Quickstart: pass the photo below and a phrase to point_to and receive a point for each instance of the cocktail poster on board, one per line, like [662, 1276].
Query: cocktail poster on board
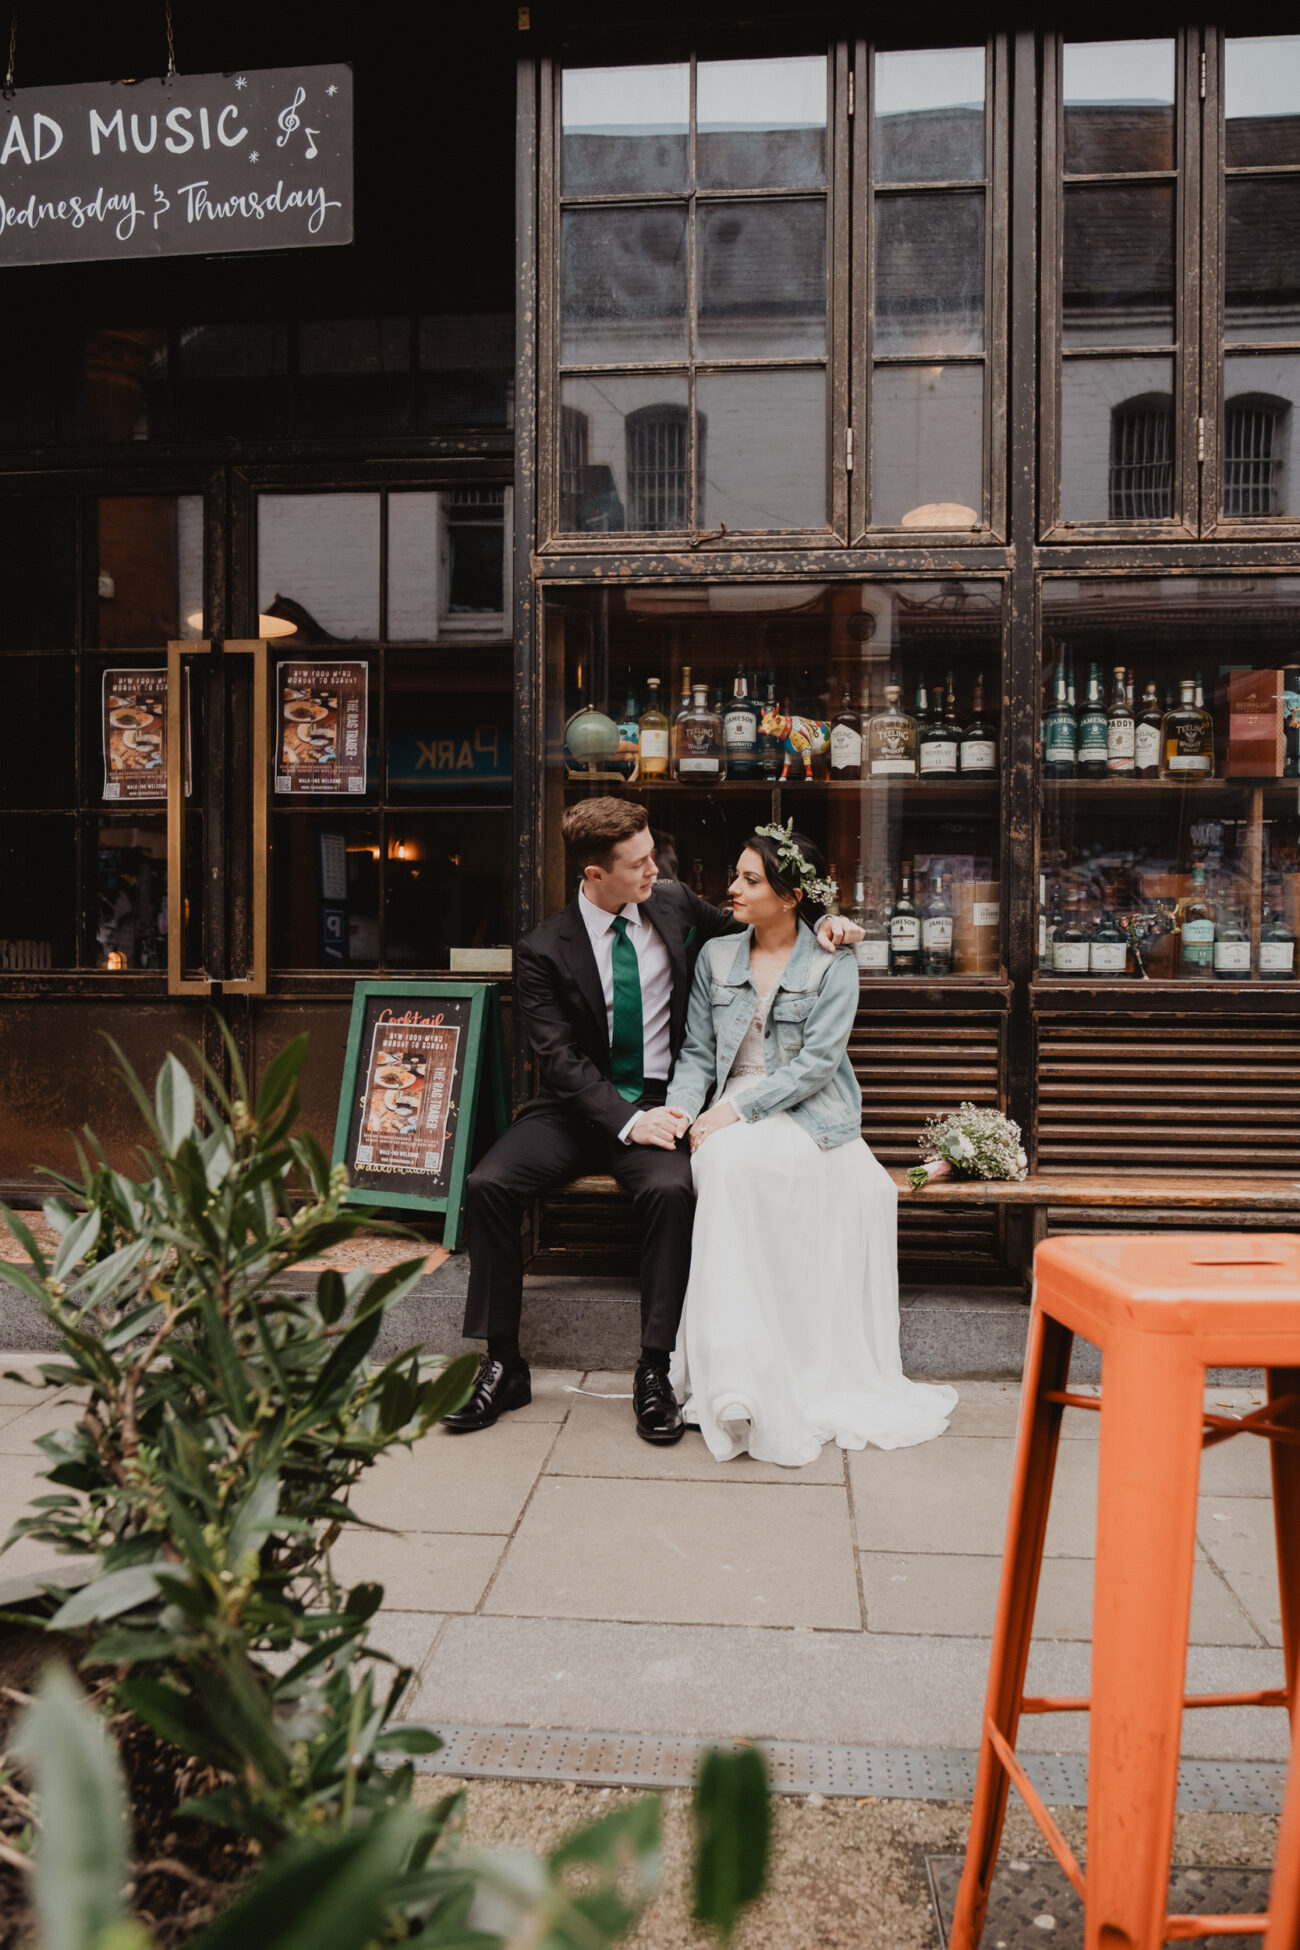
[134, 724]
[420, 1056]
[322, 727]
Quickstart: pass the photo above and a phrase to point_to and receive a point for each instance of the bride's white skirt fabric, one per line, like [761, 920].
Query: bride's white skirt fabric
[789, 1334]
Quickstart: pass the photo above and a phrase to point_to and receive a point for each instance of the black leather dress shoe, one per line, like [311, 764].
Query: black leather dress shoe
[496, 1388]
[658, 1418]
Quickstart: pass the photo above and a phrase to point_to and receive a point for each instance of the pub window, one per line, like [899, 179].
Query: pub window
[574, 431]
[659, 467]
[1254, 437]
[1142, 459]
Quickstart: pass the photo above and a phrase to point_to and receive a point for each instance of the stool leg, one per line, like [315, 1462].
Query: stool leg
[1286, 1516]
[1284, 1896]
[1148, 1471]
[1047, 1366]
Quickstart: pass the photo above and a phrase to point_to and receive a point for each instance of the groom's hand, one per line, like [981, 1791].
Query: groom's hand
[661, 1127]
[834, 931]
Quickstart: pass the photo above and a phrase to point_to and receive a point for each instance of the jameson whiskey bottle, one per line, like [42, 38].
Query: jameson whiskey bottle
[1187, 737]
[769, 745]
[1120, 729]
[652, 736]
[905, 928]
[1232, 949]
[699, 756]
[1059, 731]
[740, 732]
[938, 743]
[1196, 918]
[891, 740]
[1277, 961]
[979, 741]
[1146, 736]
[936, 931]
[846, 739]
[1107, 949]
[1093, 742]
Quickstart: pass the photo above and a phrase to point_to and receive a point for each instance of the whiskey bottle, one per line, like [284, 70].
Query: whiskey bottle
[1196, 918]
[1277, 959]
[1146, 736]
[950, 706]
[905, 928]
[769, 745]
[1232, 948]
[740, 732]
[1055, 920]
[1120, 729]
[1071, 948]
[1187, 737]
[1107, 949]
[979, 741]
[937, 742]
[1093, 741]
[652, 736]
[936, 930]
[846, 739]
[1059, 731]
[891, 740]
[629, 736]
[697, 879]
[699, 756]
[872, 952]
[684, 702]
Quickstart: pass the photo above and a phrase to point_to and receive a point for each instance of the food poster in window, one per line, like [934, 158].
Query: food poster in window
[409, 1096]
[134, 724]
[322, 746]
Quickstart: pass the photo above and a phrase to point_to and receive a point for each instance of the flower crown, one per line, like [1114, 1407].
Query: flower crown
[794, 867]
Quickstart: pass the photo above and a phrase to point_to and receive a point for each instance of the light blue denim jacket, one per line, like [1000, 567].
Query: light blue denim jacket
[805, 1045]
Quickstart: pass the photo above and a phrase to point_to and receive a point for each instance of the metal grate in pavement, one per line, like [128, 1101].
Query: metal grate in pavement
[1031, 1903]
[808, 1767]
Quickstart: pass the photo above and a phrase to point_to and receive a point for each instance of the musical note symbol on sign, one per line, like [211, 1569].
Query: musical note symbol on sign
[288, 119]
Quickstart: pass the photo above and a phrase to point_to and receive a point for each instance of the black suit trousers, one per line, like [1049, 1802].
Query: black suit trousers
[545, 1147]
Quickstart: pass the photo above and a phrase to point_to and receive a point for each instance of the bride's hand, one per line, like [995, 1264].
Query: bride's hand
[712, 1120]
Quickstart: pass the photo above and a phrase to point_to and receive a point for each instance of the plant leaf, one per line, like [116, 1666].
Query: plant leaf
[109, 1596]
[175, 1105]
[331, 1296]
[732, 1818]
[75, 1243]
[81, 1856]
[282, 1072]
[320, 1897]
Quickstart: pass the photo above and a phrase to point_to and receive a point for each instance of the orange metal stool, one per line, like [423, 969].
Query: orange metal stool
[1163, 1309]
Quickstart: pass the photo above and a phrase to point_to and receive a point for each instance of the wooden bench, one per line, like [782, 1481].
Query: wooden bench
[1228, 1199]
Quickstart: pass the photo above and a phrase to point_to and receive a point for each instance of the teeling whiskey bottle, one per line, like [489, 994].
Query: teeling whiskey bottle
[891, 740]
[1187, 737]
[699, 755]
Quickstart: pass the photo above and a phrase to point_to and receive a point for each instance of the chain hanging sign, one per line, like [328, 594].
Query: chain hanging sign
[192, 163]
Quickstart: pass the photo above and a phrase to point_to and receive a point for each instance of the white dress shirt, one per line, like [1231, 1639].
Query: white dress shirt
[656, 982]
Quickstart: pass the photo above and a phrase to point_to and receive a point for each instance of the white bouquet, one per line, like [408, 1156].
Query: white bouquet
[970, 1143]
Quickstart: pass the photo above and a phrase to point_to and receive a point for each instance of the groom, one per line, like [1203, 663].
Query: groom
[602, 988]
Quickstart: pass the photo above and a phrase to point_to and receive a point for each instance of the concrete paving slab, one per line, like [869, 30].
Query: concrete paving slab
[8, 1415]
[952, 1495]
[1238, 1534]
[1238, 1467]
[600, 1439]
[20, 1435]
[28, 1558]
[476, 1483]
[421, 1571]
[957, 1597]
[873, 1688]
[682, 1552]
[550, 1403]
[22, 1394]
[404, 1636]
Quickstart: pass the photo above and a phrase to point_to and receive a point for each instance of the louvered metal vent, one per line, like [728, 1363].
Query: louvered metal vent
[1159, 1095]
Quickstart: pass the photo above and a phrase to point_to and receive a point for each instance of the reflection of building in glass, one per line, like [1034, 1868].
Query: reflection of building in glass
[1253, 447]
[573, 464]
[659, 467]
[1142, 459]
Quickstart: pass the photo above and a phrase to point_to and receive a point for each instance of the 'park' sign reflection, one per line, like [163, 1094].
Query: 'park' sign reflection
[240, 162]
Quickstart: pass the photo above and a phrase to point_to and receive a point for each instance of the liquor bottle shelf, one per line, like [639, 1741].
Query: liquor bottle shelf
[946, 791]
[1120, 790]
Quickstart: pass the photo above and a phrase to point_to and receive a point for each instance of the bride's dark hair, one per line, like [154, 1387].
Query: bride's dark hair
[782, 881]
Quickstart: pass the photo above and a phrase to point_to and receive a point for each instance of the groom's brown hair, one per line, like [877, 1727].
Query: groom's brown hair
[594, 827]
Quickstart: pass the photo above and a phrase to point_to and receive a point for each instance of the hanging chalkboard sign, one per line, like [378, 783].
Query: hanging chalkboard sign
[259, 160]
[421, 1056]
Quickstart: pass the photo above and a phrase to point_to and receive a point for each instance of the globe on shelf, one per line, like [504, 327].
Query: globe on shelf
[591, 745]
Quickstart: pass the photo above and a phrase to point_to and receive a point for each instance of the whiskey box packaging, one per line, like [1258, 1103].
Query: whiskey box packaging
[976, 914]
[1256, 729]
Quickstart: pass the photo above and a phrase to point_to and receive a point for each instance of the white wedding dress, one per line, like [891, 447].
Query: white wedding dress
[789, 1334]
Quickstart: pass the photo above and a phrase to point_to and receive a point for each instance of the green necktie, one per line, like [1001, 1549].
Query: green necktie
[627, 1050]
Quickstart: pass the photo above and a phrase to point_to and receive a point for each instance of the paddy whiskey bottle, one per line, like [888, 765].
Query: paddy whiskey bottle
[1120, 729]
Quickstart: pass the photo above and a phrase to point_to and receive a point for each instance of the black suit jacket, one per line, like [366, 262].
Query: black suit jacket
[557, 990]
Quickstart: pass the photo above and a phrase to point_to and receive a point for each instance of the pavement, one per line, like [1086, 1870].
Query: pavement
[555, 1571]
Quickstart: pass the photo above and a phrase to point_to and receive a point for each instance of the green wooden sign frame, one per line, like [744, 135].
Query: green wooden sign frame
[482, 1079]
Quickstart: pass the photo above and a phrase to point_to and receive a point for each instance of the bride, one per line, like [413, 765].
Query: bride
[789, 1334]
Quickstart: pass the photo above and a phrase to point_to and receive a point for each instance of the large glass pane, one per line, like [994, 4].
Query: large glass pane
[1169, 832]
[1261, 100]
[38, 734]
[123, 383]
[927, 441]
[1261, 294]
[929, 274]
[1117, 286]
[131, 916]
[38, 873]
[447, 886]
[1261, 424]
[625, 128]
[446, 562]
[38, 572]
[139, 601]
[466, 376]
[233, 378]
[325, 873]
[930, 116]
[624, 285]
[920, 803]
[624, 453]
[762, 279]
[1119, 106]
[449, 726]
[1117, 440]
[318, 563]
[354, 376]
[762, 461]
[760, 124]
